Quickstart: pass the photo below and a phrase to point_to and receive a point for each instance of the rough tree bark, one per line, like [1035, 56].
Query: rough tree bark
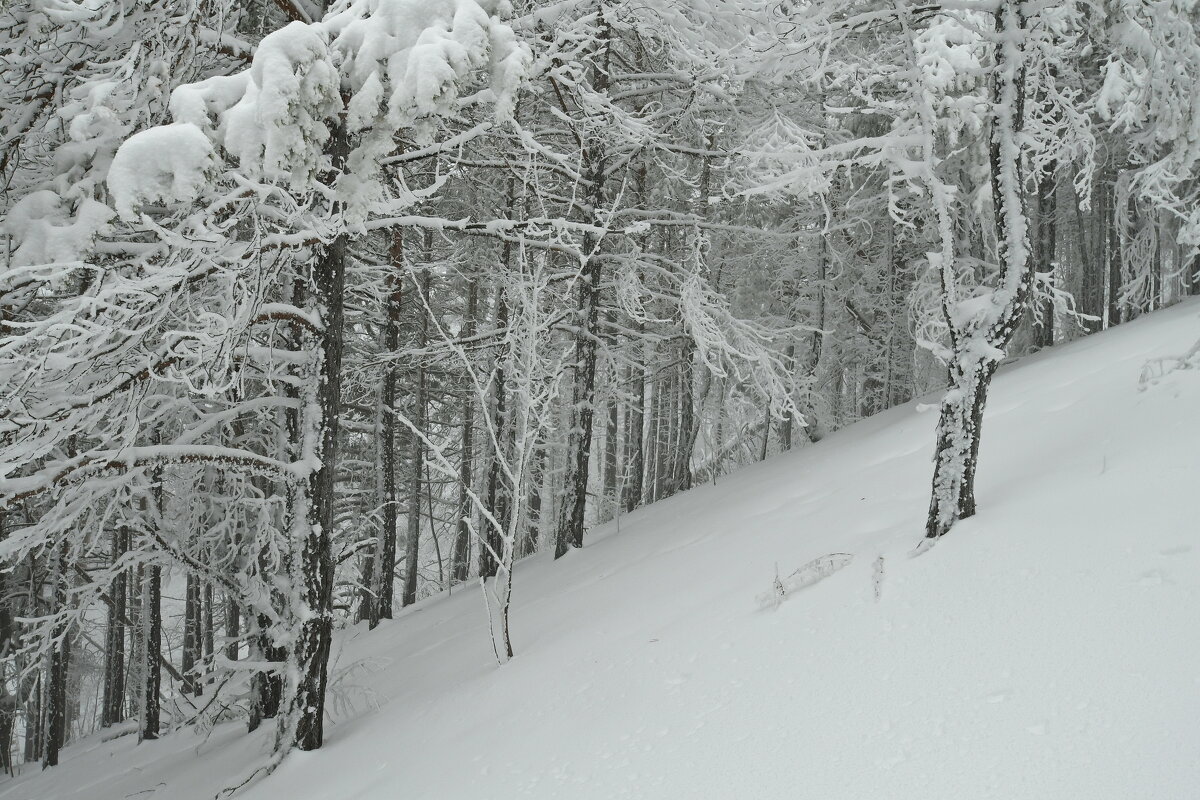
[413, 538]
[190, 655]
[57, 668]
[976, 352]
[584, 346]
[112, 708]
[497, 492]
[233, 628]
[311, 654]
[379, 598]
[460, 559]
[635, 445]
[1044, 259]
[150, 609]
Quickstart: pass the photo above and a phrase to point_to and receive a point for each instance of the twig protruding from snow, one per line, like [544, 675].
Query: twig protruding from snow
[812, 572]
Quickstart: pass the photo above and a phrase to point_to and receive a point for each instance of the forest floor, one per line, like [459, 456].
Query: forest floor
[1047, 648]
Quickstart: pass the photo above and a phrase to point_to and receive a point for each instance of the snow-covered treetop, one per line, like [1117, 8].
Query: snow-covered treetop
[379, 66]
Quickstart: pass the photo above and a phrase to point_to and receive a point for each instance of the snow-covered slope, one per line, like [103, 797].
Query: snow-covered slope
[1048, 648]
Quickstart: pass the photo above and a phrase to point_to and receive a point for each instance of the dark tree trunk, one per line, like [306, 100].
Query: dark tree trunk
[151, 649]
[56, 696]
[816, 346]
[668, 420]
[957, 455]
[957, 452]
[689, 427]
[569, 533]
[766, 428]
[497, 493]
[233, 628]
[190, 656]
[8, 715]
[1112, 248]
[611, 455]
[206, 629]
[1091, 290]
[380, 598]
[266, 688]
[634, 453]
[789, 422]
[1045, 256]
[533, 525]
[635, 445]
[653, 409]
[460, 558]
[10, 703]
[312, 648]
[113, 705]
[35, 718]
[413, 539]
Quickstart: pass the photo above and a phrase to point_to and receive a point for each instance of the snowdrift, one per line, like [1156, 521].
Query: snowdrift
[1048, 648]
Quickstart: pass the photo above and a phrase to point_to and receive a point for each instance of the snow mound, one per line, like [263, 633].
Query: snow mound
[1047, 648]
[169, 163]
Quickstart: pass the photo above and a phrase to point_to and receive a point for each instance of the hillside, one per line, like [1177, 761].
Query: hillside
[1048, 648]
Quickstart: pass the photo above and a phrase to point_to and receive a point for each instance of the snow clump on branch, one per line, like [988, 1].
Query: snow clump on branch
[163, 164]
[376, 66]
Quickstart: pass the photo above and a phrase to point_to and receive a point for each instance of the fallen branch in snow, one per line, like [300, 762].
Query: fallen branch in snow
[117, 731]
[1155, 369]
[807, 575]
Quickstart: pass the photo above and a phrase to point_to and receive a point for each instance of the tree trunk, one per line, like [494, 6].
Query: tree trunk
[460, 559]
[533, 524]
[583, 363]
[206, 630]
[233, 628]
[191, 634]
[666, 409]
[611, 456]
[957, 454]
[654, 409]
[689, 425]
[58, 667]
[789, 422]
[11, 703]
[413, 539]
[266, 688]
[1045, 257]
[497, 503]
[113, 706]
[383, 579]
[635, 445]
[1113, 312]
[35, 718]
[150, 608]
[766, 426]
[311, 654]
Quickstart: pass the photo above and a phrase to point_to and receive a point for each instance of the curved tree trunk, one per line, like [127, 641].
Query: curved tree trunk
[977, 350]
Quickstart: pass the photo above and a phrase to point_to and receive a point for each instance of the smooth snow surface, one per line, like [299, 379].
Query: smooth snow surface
[1048, 648]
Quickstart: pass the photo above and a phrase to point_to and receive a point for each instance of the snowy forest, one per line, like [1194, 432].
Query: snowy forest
[311, 310]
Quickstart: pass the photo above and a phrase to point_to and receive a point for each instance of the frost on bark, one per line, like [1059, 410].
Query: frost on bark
[413, 536]
[57, 669]
[460, 559]
[586, 339]
[113, 703]
[497, 488]
[978, 342]
[381, 566]
[316, 561]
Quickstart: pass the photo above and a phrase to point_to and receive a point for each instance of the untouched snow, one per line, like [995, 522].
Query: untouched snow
[1048, 648]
